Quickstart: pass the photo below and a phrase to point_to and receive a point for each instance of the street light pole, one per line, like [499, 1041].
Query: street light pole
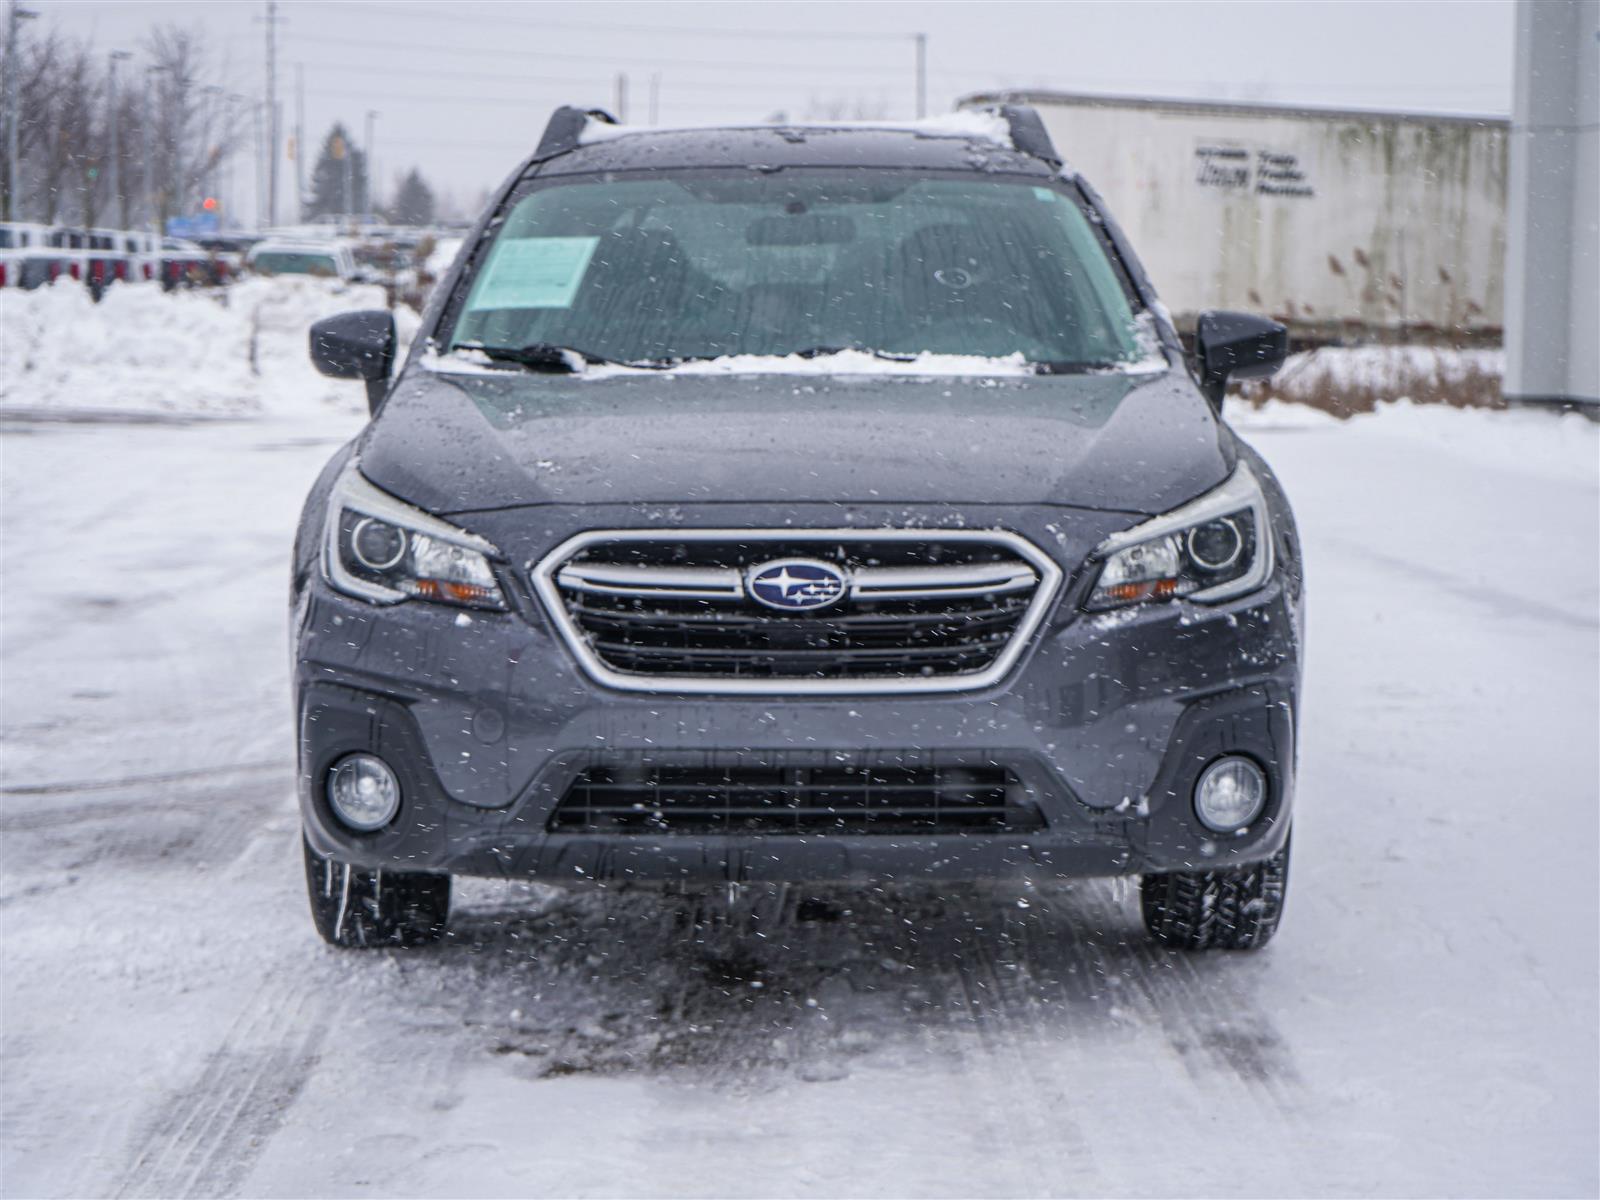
[348, 154]
[148, 173]
[922, 75]
[299, 143]
[17, 15]
[272, 113]
[117, 198]
[369, 165]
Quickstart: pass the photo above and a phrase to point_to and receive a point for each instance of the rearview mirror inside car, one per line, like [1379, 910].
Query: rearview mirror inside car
[1233, 345]
[356, 345]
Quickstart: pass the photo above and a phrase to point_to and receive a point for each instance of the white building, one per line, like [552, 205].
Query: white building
[1339, 222]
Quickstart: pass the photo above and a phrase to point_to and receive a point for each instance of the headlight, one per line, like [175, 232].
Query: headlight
[384, 550]
[1211, 549]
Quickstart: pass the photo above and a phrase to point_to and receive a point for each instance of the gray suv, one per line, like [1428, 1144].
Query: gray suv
[827, 504]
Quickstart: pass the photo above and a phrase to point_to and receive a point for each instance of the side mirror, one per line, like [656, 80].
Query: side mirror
[1232, 345]
[356, 345]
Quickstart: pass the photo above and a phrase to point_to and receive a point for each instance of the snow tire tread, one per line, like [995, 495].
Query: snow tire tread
[1234, 909]
[367, 909]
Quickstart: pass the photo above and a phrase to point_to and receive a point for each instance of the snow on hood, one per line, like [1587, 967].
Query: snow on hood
[467, 361]
[926, 365]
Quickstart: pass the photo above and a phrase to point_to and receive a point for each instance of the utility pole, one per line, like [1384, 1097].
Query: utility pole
[655, 97]
[117, 197]
[17, 15]
[272, 112]
[257, 139]
[300, 142]
[230, 206]
[622, 97]
[147, 173]
[349, 175]
[922, 75]
[370, 167]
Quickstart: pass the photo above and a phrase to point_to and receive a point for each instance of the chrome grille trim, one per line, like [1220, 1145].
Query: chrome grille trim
[1035, 569]
[866, 583]
[677, 583]
[933, 583]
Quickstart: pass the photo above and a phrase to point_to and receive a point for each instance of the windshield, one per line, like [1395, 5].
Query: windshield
[285, 262]
[708, 264]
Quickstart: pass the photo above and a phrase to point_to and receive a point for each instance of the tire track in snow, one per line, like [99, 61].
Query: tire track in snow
[1010, 1026]
[208, 1135]
[1228, 1046]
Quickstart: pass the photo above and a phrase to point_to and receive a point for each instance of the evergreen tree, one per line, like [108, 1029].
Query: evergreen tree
[413, 201]
[339, 178]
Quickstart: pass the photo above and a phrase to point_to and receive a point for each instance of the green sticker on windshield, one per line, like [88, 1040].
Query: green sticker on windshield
[1044, 194]
[539, 272]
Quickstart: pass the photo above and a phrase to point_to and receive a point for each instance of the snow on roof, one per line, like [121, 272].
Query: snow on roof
[297, 246]
[1255, 108]
[964, 123]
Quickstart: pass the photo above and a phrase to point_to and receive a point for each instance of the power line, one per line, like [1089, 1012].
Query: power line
[477, 52]
[427, 96]
[671, 64]
[599, 85]
[699, 31]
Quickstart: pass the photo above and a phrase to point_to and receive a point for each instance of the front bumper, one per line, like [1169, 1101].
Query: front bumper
[1105, 721]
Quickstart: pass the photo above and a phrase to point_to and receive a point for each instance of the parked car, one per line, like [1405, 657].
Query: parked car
[324, 259]
[850, 520]
[186, 263]
[32, 255]
[19, 242]
[228, 251]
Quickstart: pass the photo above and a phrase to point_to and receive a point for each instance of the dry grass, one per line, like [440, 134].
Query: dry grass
[1349, 380]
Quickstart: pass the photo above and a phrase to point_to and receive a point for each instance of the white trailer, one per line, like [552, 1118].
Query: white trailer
[1341, 223]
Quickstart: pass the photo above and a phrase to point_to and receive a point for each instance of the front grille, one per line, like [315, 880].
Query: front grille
[857, 800]
[937, 610]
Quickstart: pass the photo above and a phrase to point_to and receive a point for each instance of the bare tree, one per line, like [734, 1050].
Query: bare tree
[194, 125]
[176, 125]
[38, 84]
[67, 156]
[81, 133]
[132, 177]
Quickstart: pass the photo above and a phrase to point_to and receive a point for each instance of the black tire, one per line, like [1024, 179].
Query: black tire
[1237, 909]
[355, 907]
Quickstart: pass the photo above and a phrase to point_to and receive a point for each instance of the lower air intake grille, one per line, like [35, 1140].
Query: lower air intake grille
[857, 800]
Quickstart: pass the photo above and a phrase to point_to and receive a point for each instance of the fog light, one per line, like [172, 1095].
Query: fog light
[363, 792]
[1230, 794]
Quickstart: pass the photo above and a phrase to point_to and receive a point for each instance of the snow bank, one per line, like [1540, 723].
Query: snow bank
[1349, 379]
[239, 350]
[1388, 366]
[443, 256]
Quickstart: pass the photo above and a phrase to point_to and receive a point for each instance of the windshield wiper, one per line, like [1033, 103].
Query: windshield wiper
[546, 356]
[1085, 367]
[825, 351]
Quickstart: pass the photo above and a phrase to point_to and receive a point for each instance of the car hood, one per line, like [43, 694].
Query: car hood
[471, 442]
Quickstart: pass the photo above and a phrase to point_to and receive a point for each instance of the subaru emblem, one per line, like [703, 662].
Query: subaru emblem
[795, 583]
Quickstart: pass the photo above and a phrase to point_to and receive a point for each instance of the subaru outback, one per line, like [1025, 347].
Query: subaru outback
[827, 504]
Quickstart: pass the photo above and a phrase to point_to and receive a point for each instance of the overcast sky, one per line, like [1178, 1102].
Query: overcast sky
[463, 88]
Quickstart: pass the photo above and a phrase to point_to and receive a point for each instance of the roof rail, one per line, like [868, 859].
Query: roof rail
[565, 128]
[1028, 133]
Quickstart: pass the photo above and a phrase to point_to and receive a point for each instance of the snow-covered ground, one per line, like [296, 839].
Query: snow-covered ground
[1424, 1024]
